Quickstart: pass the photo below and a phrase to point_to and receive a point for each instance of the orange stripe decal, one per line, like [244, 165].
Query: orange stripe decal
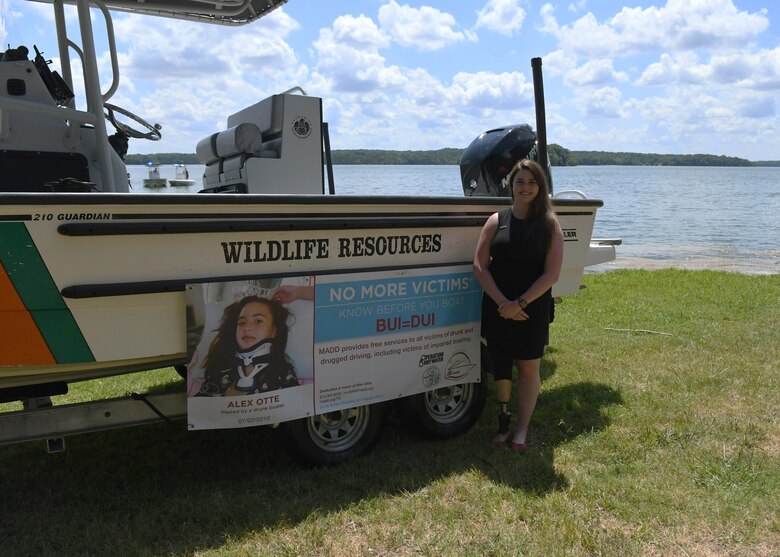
[21, 343]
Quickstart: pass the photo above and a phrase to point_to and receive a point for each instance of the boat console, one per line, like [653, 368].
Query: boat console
[45, 143]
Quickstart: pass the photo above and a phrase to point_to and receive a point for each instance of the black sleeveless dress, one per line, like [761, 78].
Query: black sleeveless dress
[515, 264]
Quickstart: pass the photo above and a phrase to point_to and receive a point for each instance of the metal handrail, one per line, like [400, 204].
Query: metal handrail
[94, 96]
[578, 193]
[111, 49]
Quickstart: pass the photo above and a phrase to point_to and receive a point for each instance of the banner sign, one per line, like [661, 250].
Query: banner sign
[271, 350]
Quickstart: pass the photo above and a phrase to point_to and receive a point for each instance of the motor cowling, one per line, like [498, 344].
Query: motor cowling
[486, 162]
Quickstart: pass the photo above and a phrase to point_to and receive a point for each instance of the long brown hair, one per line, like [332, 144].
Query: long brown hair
[224, 346]
[540, 215]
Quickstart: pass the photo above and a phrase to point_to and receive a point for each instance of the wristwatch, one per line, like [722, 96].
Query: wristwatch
[522, 302]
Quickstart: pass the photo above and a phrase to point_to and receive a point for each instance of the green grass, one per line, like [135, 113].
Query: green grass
[642, 444]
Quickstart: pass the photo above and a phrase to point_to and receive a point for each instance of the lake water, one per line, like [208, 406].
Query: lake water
[722, 218]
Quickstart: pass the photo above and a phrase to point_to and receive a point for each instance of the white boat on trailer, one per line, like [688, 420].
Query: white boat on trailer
[92, 277]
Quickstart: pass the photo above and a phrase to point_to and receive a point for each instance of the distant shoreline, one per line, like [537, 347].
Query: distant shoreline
[743, 266]
[559, 156]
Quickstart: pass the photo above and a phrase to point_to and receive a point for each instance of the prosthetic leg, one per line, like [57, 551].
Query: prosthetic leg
[503, 393]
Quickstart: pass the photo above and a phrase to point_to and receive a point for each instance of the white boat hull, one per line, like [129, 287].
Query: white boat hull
[94, 284]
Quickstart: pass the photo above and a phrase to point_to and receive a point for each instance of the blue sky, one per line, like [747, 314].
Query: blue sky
[682, 76]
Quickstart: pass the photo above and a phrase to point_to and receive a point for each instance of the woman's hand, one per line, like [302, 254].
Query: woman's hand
[288, 293]
[512, 310]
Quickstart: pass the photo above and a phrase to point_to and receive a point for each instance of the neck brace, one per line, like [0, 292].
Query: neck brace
[258, 356]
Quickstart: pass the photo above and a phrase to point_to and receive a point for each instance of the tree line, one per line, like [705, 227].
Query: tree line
[564, 157]
[559, 156]
[341, 156]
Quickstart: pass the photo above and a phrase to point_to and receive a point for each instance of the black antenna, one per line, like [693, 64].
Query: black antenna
[541, 121]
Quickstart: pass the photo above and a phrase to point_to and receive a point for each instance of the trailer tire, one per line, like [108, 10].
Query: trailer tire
[448, 411]
[335, 437]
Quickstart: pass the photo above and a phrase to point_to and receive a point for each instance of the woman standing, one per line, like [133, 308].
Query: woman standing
[518, 259]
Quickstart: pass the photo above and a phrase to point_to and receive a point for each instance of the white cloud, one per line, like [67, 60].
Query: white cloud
[679, 25]
[766, 74]
[195, 82]
[759, 70]
[423, 28]
[409, 105]
[3, 15]
[673, 69]
[594, 72]
[359, 32]
[685, 119]
[205, 50]
[348, 58]
[585, 38]
[483, 90]
[756, 107]
[708, 77]
[43, 12]
[502, 16]
[604, 102]
[689, 115]
[558, 63]
[731, 68]
[453, 113]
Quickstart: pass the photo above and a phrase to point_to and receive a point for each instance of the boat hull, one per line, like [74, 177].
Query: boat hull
[94, 284]
[155, 183]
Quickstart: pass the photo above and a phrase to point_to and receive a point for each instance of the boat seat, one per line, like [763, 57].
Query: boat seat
[212, 173]
[271, 149]
[231, 168]
[226, 152]
[242, 139]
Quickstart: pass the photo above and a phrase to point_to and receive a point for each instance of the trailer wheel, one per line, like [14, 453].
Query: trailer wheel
[448, 411]
[334, 437]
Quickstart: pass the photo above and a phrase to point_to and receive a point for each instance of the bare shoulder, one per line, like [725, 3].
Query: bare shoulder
[556, 224]
[489, 228]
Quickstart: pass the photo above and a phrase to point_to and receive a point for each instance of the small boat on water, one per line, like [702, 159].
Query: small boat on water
[182, 177]
[154, 180]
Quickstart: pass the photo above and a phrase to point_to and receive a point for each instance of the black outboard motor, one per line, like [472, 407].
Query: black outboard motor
[485, 163]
